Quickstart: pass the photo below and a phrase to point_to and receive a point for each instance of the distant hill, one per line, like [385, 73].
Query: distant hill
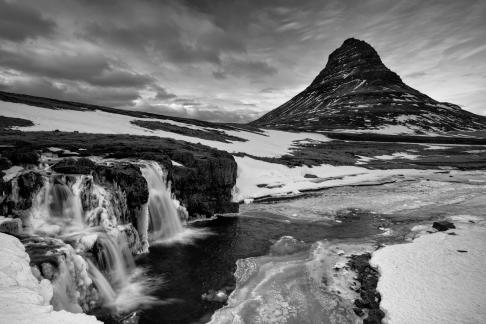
[357, 92]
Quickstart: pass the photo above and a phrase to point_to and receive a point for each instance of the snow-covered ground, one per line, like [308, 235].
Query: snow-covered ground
[271, 143]
[438, 278]
[259, 178]
[23, 299]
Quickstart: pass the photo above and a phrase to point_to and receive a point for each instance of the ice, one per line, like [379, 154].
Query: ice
[22, 298]
[431, 281]
[298, 287]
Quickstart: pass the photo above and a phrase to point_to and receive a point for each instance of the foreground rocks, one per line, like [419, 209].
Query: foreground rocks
[369, 301]
[443, 226]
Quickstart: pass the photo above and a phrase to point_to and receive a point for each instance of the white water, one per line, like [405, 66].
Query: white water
[58, 210]
[165, 222]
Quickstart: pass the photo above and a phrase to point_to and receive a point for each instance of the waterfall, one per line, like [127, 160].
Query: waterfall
[164, 217]
[164, 213]
[58, 210]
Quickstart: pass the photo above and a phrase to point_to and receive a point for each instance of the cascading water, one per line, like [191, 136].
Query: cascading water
[58, 210]
[164, 217]
[163, 212]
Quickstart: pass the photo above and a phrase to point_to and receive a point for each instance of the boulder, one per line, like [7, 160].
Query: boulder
[10, 225]
[443, 225]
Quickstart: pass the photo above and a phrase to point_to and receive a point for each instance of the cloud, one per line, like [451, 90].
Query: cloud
[19, 22]
[417, 74]
[92, 68]
[72, 91]
[244, 68]
[202, 58]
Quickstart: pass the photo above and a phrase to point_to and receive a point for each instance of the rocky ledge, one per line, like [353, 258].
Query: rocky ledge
[202, 177]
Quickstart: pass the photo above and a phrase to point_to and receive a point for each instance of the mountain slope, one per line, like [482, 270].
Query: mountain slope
[356, 91]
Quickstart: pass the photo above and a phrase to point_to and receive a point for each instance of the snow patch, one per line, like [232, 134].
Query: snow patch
[23, 299]
[438, 278]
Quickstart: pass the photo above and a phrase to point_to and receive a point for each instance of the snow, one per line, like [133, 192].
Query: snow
[22, 298]
[11, 172]
[282, 180]
[270, 143]
[397, 155]
[431, 281]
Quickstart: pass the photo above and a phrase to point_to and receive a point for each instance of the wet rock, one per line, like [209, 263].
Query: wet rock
[443, 225]
[74, 166]
[5, 163]
[219, 296]
[28, 185]
[48, 270]
[10, 225]
[367, 277]
[287, 245]
[205, 184]
[130, 180]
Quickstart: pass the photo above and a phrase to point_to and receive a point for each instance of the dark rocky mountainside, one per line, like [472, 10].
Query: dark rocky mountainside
[357, 91]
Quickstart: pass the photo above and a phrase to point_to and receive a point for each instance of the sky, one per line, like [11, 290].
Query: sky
[228, 60]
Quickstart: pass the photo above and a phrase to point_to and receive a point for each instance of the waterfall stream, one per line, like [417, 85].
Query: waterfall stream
[164, 212]
[58, 211]
[164, 217]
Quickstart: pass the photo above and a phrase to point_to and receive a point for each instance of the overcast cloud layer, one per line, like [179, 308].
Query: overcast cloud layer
[225, 60]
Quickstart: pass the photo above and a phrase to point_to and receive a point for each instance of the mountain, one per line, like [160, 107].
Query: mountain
[356, 91]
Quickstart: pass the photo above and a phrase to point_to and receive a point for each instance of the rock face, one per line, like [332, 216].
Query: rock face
[204, 185]
[357, 91]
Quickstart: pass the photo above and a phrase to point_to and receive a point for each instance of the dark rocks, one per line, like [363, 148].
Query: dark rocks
[74, 166]
[5, 163]
[443, 226]
[28, 185]
[22, 156]
[10, 225]
[204, 185]
[370, 299]
[130, 180]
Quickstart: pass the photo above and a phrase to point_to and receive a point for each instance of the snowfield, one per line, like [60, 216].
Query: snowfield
[271, 143]
[259, 178]
[22, 298]
[438, 278]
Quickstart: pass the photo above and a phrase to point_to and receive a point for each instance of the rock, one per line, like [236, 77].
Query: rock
[48, 270]
[219, 296]
[130, 180]
[310, 176]
[367, 277]
[5, 163]
[443, 225]
[205, 185]
[74, 166]
[10, 225]
[287, 245]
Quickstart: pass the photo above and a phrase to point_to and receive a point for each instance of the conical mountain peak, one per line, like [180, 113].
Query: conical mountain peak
[356, 91]
[355, 59]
